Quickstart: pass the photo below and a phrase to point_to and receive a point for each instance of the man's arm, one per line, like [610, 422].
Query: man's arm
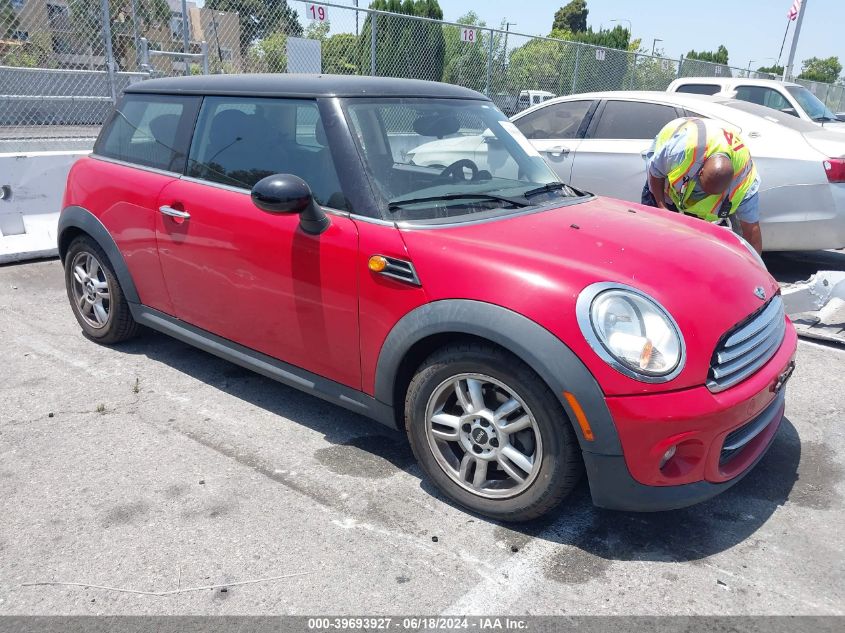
[656, 186]
[751, 232]
[748, 214]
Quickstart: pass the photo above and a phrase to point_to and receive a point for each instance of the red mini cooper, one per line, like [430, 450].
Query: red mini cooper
[519, 330]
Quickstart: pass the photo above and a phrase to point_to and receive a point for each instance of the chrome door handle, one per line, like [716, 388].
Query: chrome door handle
[558, 151]
[174, 213]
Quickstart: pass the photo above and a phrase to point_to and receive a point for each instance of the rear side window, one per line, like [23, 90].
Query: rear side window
[699, 89]
[239, 141]
[558, 121]
[149, 130]
[632, 120]
[762, 96]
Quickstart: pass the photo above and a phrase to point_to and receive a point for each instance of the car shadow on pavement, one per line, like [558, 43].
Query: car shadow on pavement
[367, 449]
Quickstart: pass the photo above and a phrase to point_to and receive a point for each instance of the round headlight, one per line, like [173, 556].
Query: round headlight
[631, 332]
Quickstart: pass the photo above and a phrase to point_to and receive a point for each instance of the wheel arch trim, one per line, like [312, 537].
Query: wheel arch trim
[81, 219]
[541, 350]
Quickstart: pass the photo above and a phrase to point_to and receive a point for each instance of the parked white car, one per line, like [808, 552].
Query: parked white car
[789, 98]
[598, 142]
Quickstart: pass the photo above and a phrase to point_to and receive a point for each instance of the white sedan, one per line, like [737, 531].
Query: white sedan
[598, 142]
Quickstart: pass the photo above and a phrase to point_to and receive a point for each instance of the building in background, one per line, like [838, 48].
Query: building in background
[69, 34]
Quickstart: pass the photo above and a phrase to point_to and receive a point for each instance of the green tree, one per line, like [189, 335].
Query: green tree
[466, 62]
[340, 54]
[269, 54]
[719, 56]
[772, 70]
[259, 19]
[404, 48]
[8, 20]
[571, 18]
[715, 63]
[817, 69]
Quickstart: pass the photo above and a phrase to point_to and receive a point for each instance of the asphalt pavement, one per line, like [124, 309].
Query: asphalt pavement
[154, 468]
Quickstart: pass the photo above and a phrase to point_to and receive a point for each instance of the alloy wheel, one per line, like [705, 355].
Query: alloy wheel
[483, 435]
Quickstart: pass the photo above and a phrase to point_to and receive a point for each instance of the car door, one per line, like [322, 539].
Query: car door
[253, 277]
[611, 159]
[141, 150]
[555, 130]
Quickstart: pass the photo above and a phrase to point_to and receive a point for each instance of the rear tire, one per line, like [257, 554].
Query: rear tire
[95, 295]
[490, 434]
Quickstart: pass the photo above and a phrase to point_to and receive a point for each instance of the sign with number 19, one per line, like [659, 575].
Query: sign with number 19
[316, 12]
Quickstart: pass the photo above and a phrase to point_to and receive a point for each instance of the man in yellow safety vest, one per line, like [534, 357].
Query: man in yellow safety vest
[699, 168]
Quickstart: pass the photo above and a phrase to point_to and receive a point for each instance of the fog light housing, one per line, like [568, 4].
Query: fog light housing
[669, 454]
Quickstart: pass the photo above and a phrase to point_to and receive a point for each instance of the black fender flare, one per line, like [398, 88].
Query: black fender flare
[541, 350]
[74, 217]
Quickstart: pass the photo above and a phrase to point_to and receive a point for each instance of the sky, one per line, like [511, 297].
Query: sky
[749, 29]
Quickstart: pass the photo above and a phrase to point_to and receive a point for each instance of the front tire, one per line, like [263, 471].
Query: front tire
[95, 295]
[490, 434]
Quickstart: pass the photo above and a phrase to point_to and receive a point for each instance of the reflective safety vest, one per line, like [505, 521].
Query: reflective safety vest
[704, 139]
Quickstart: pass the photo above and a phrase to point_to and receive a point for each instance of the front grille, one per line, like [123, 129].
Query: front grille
[747, 347]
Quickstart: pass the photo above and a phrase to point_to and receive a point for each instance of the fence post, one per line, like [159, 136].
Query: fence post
[135, 37]
[680, 65]
[204, 51]
[373, 24]
[185, 37]
[575, 70]
[145, 55]
[104, 5]
[634, 73]
[489, 65]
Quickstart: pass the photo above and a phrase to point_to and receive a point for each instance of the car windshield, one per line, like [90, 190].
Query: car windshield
[441, 159]
[814, 108]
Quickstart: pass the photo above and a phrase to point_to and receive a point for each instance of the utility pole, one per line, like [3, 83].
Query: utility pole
[508, 26]
[653, 44]
[787, 70]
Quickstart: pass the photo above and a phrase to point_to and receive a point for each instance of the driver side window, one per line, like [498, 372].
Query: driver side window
[239, 141]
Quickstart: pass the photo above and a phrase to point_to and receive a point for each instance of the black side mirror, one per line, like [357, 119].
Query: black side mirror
[286, 193]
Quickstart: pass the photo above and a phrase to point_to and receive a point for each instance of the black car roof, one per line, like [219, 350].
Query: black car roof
[296, 85]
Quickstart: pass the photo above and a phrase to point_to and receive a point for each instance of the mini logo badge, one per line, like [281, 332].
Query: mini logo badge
[760, 292]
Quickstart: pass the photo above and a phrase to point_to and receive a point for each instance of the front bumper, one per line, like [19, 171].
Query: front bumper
[612, 486]
[718, 438]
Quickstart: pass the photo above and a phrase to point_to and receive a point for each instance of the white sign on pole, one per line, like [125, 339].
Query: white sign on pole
[718, 70]
[304, 55]
[600, 54]
[664, 64]
[317, 12]
[469, 35]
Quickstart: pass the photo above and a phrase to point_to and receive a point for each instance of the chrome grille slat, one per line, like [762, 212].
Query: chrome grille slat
[743, 348]
[725, 369]
[774, 309]
[747, 347]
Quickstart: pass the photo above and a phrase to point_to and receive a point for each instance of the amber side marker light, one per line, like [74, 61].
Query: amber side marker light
[579, 416]
[377, 263]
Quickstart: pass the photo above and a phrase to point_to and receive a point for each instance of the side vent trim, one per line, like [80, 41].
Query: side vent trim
[401, 270]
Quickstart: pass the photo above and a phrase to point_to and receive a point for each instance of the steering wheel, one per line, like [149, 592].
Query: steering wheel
[455, 171]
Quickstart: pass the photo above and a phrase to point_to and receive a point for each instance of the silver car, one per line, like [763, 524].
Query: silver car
[599, 141]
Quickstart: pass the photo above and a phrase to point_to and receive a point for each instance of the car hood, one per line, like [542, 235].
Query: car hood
[537, 264]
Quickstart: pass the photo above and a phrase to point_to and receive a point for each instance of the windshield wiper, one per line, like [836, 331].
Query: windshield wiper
[395, 205]
[825, 118]
[552, 186]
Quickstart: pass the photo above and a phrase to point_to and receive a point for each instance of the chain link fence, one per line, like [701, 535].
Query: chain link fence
[62, 62]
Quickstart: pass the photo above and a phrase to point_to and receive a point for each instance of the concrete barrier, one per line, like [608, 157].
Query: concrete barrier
[31, 188]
